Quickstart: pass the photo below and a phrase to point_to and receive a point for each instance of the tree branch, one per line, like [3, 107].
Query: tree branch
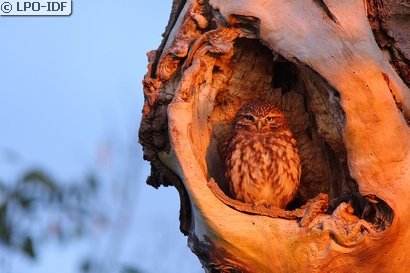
[306, 213]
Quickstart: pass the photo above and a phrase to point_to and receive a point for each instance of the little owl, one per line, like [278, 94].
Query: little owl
[262, 164]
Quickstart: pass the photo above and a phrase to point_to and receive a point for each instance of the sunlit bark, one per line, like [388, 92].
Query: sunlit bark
[341, 82]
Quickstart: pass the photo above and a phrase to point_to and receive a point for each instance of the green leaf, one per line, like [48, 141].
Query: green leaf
[129, 269]
[28, 248]
[41, 178]
[25, 202]
[92, 182]
[86, 266]
[5, 228]
[3, 187]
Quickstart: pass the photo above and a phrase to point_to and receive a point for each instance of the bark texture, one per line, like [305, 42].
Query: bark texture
[340, 72]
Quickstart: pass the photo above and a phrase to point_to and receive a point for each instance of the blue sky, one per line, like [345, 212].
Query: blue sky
[70, 86]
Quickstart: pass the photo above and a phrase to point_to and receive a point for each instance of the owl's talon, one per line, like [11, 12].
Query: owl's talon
[261, 202]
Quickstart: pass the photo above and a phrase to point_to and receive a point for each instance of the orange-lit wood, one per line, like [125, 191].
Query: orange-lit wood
[346, 105]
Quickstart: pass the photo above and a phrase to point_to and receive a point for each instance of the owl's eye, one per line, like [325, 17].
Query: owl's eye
[269, 119]
[249, 117]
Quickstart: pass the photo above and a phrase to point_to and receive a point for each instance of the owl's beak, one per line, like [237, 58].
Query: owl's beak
[259, 125]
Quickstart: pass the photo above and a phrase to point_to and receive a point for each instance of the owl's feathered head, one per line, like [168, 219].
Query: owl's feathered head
[259, 116]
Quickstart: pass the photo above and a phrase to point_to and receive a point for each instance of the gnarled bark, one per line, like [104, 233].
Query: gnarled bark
[328, 69]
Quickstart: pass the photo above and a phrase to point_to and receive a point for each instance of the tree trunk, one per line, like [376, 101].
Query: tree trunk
[340, 72]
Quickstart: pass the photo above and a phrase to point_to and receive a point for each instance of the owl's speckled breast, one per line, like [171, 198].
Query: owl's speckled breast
[262, 165]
